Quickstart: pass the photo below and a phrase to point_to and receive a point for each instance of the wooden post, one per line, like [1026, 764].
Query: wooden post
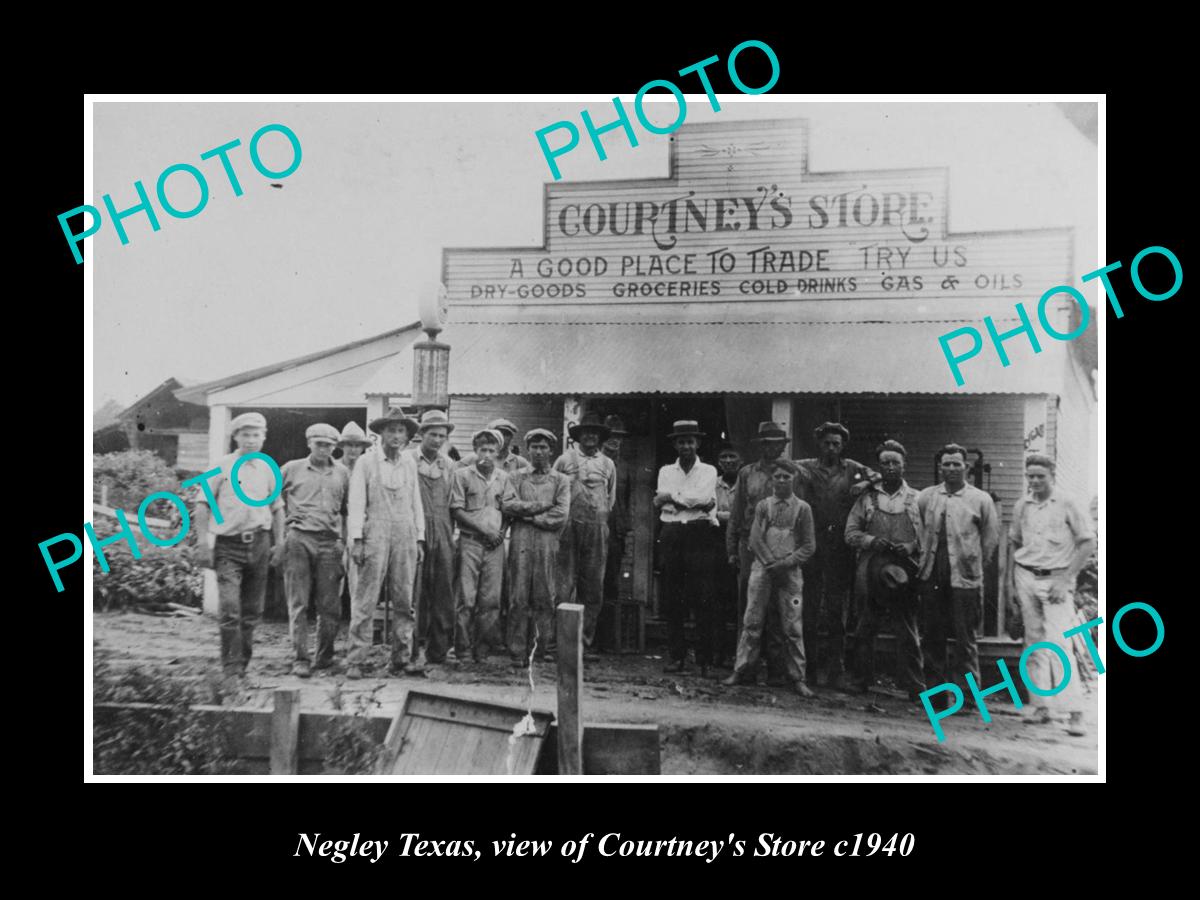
[285, 733]
[570, 687]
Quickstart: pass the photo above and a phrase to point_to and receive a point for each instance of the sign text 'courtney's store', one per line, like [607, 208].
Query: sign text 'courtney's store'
[741, 218]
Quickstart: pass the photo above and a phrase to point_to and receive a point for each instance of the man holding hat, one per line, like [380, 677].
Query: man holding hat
[314, 495]
[884, 526]
[583, 547]
[353, 443]
[539, 504]
[244, 534]
[477, 493]
[619, 521]
[387, 530]
[687, 499]
[832, 483]
[435, 605]
[752, 487]
[781, 539]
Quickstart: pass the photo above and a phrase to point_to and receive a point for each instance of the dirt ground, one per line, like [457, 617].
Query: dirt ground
[705, 728]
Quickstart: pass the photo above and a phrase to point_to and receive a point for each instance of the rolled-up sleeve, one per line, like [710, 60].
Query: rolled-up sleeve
[856, 525]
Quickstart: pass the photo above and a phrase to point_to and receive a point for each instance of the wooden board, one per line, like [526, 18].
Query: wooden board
[440, 735]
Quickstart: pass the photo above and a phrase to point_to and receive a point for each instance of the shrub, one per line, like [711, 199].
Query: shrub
[169, 738]
[132, 475]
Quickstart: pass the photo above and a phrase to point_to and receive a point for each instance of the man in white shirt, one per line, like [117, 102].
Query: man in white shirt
[687, 500]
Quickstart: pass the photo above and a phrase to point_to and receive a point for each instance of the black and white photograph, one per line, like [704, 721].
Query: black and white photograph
[685, 435]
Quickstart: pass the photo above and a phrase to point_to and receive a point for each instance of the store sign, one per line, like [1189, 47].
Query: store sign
[742, 219]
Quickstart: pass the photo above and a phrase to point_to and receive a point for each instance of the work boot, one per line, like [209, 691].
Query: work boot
[735, 679]
[1075, 725]
[414, 668]
[354, 673]
[804, 690]
[302, 669]
[323, 664]
[1042, 716]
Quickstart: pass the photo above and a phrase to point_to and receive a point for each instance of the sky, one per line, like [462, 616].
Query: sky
[342, 248]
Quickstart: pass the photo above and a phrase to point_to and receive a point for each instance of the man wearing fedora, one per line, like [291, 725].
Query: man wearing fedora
[686, 498]
[831, 484]
[353, 442]
[884, 526]
[387, 530]
[781, 539]
[241, 553]
[619, 522]
[583, 547]
[538, 506]
[753, 486]
[435, 603]
[315, 489]
[477, 493]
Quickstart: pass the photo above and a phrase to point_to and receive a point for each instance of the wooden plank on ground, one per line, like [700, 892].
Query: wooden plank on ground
[285, 733]
[570, 689]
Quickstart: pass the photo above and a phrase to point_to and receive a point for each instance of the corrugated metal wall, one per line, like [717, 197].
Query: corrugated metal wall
[469, 414]
[923, 423]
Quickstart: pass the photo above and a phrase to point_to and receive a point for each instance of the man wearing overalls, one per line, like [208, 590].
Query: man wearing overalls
[781, 540]
[387, 527]
[435, 606]
[884, 526]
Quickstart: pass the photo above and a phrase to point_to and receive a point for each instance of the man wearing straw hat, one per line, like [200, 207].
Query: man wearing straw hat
[686, 497]
[435, 605]
[387, 528]
[583, 547]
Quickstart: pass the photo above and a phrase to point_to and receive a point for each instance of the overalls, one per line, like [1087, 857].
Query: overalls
[435, 606]
[784, 591]
[390, 558]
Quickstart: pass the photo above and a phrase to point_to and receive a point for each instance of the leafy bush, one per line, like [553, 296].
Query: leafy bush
[350, 748]
[169, 738]
[163, 574]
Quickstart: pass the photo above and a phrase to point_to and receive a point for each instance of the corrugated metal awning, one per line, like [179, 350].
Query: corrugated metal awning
[784, 358]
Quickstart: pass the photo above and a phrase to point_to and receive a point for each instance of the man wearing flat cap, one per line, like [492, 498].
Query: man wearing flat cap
[243, 534]
[754, 485]
[387, 530]
[884, 526]
[686, 497]
[830, 484]
[583, 547]
[477, 495]
[538, 506]
[507, 459]
[315, 490]
[435, 607]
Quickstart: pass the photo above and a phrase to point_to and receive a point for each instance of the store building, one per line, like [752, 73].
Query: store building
[739, 288]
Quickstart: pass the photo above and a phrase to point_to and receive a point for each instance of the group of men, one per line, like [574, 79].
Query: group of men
[450, 543]
[460, 546]
[805, 538]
